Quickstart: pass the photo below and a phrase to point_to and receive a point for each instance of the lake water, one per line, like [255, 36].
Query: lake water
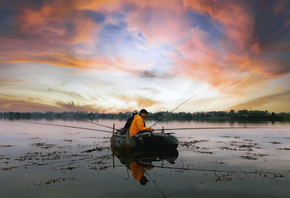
[248, 160]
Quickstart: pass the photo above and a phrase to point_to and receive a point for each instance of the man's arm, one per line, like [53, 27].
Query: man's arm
[140, 124]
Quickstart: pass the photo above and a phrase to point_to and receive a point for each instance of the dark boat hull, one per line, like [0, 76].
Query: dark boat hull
[157, 140]
[146, 156]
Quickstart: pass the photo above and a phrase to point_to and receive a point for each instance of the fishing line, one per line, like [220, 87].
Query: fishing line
[68, 126]
[214, 170]
[89, 122]
[156, 184]
[97, 124]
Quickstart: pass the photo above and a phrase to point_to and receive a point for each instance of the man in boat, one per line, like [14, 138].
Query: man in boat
[138, 127]
[129, 122]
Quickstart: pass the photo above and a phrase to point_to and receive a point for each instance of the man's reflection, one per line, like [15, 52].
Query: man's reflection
[138, 170]
[140, 161]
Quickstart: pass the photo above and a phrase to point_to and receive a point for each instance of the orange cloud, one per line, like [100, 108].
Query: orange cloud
[58, 58]
[19, 105]
[71, 106]
[237, 20]
[278, 102]
[50, 35]
[142, 102]
[159, 23]
[57, 22]
[230, 67]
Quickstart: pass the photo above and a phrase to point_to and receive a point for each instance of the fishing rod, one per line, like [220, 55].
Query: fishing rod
[97, 124]
[78, 119]
[68, 126]
[175, 108]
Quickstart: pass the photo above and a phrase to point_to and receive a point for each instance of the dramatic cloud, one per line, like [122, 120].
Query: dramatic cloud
[238, 22]
[264, 102]
[101, 55]
[71, 106]
[71, 94]
[12, 104]
[142, 102]
[234, 60]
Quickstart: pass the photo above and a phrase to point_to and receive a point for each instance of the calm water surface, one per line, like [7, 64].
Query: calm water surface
[50, 161]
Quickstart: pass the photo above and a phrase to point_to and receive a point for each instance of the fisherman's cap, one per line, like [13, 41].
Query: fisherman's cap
[143, 180]
[144, 111]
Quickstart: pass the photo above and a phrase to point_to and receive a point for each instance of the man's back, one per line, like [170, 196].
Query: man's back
[137, 125]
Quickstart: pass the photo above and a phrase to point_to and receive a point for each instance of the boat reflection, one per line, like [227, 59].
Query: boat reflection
[138, 162]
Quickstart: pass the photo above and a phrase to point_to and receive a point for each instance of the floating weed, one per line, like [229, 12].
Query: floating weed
[279, 175]
[7, 146]
[190, 143]
[9, 168]
[269, 175]
[40, 156]
[248, 140]
[205, 152]
[233, 143]
[91, 137]
[42, 145]
[67, 140]
[225, 136]
[69, 168]
[4, 157]
[98, 162]
[248, 157]
[284, 149]
[55, 181]
[220, 142]
[228, 148]
[95, 149]
[39, 164]
[261, 154]
[65, 147]
[248, 146]
[275, 142]
[217, 162]
[223, 177]
[98, 168]
[35, 138]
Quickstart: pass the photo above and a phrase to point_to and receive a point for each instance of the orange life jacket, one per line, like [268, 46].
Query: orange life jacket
[137, 125]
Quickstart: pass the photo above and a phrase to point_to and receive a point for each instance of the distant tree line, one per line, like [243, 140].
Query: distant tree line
[164, 115]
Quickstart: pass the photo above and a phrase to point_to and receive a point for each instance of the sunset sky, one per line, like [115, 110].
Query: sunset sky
[120, 55]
